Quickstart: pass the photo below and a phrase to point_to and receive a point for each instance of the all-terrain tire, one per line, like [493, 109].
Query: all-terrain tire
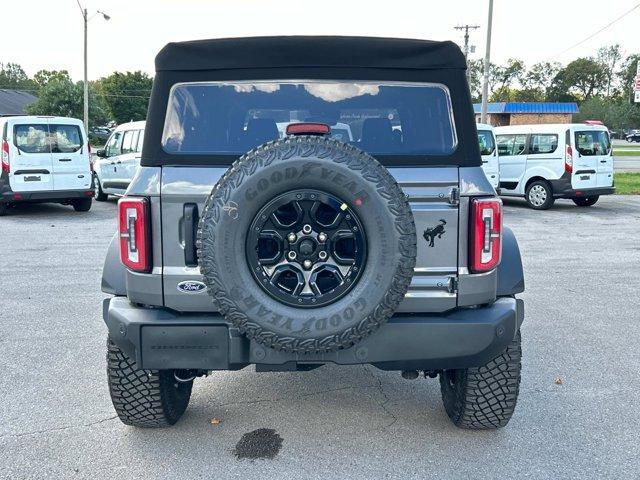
[586, 201]
[484, 398]
[282, 166]
[82, 204]
[144, 398]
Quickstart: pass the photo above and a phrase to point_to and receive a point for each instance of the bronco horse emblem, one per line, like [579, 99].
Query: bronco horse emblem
[430, 234]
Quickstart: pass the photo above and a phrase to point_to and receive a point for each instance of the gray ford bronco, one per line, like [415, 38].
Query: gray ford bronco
[312, 200]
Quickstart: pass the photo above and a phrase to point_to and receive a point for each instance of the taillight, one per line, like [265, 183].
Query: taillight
[568, 159]
[6, 166]
[134, 231]
[485, 247]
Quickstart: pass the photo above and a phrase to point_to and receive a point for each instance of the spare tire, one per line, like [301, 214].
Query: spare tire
[307, 244]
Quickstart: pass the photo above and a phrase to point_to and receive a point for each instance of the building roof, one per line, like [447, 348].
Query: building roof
[310, 51]
[14, 102]
[528, 107]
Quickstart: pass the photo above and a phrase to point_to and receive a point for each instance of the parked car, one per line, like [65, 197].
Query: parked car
[44, 159]
[489, 152]
[118, 161]
[633, 137]
[100, 134]
[545, 162]
[236, 247]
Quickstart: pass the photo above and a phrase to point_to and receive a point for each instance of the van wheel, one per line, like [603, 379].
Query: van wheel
[144, 398]
[484, 398]
[586, 201]
[539, 195]
[82, 204]
[98, 194]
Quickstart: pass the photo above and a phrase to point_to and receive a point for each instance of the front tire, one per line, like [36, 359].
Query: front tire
[484, 398]
[82, 204]
[586, 201]
[144, 398]
[539, 195]
[98, 194]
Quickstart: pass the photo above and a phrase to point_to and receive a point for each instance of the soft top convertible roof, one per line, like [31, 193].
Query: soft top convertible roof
[309, 51]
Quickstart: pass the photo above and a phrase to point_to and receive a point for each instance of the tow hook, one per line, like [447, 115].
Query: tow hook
[186, 376]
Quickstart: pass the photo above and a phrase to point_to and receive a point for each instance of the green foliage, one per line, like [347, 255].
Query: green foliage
[43, 77]
[13, 77]
[581, 79]
[126, 95]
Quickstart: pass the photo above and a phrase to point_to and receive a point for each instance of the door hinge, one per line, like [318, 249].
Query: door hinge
[453, 284]
[454, 196]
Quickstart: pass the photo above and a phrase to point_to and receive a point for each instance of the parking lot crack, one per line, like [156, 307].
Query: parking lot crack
[384, 404]
[59, 429]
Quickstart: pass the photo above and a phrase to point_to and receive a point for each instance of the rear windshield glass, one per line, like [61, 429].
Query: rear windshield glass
[485, 139]
[32, 138]
[65, 138]
[380, 118]
[593, 142]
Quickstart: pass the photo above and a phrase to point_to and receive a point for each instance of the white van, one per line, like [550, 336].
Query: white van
[489, 152]
[545, 162]
[45, 159]
[118, 162]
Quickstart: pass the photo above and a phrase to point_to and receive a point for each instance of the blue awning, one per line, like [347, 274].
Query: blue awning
[528, 107]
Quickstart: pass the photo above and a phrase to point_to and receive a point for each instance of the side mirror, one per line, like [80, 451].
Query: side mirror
[102, 153]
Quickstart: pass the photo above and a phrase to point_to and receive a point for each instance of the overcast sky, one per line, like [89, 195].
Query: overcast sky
[47, 34]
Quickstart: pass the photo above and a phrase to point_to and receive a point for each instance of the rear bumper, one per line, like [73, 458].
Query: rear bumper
[562, 189]
[44, 196]
[163, 339]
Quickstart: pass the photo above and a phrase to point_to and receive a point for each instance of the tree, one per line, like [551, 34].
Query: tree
[609, 58]
[507, 75]
[43, 77]
[579, 80]
[627, 75]
[12, 76]
[126, 95]
[539, 78]
[60, 96]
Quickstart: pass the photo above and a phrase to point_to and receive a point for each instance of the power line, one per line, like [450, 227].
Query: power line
[601, 30]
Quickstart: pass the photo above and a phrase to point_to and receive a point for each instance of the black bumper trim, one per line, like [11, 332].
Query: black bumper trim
[163, 339]
[45, 196]
[562, 188]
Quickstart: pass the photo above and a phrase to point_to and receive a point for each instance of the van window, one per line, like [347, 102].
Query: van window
[485, 139]
[113, 147]
[543, 143]
[229, 118]
[593, 142]
[65, 138]
[128, 144]
[32, 138]
[511, 144]
[140, 141]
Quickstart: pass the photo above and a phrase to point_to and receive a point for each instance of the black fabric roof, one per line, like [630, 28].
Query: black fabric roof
[309, 51]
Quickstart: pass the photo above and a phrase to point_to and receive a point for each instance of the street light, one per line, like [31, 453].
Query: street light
[86, 19]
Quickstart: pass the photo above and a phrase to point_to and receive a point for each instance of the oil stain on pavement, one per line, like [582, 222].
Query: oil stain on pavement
[260, 443]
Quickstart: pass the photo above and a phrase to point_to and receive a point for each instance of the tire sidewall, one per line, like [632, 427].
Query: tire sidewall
[224, 263]
[548, 202]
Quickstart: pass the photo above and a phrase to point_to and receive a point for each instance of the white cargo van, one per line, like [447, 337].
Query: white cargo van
[489, 152]
[118, 162]
[545, 162]
[45, 159]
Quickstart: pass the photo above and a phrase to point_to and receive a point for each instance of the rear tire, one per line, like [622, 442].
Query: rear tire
[586, 201]
[484, 398]
[144, 398]
[98, 194]
[539, 195]
[82, 204]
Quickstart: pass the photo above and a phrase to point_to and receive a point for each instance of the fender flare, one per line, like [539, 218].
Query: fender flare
[114, 273]
[510, 271]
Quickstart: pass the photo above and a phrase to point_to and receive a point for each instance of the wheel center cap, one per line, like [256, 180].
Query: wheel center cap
[307, 247]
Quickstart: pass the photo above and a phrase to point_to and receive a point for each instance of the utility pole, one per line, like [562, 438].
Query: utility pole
[487, 61]
[466, 29]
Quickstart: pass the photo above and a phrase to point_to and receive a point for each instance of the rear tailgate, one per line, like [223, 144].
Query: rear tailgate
[433, 195]
[29, 156]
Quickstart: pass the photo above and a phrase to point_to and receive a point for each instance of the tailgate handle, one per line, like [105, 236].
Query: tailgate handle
[190, 229]
[64, 159]
[603, 161]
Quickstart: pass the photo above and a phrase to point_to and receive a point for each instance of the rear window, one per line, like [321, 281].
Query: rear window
[485, 140]
[43, 138]
[593, 142]
[380, 118]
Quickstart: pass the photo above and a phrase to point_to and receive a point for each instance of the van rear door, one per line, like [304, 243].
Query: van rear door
[69, 155]
[590, 147]
[29, 156]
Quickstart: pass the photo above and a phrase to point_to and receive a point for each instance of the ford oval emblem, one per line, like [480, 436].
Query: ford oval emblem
[191, 286]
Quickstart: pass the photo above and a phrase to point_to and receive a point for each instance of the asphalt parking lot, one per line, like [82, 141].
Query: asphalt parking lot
[577, 415]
